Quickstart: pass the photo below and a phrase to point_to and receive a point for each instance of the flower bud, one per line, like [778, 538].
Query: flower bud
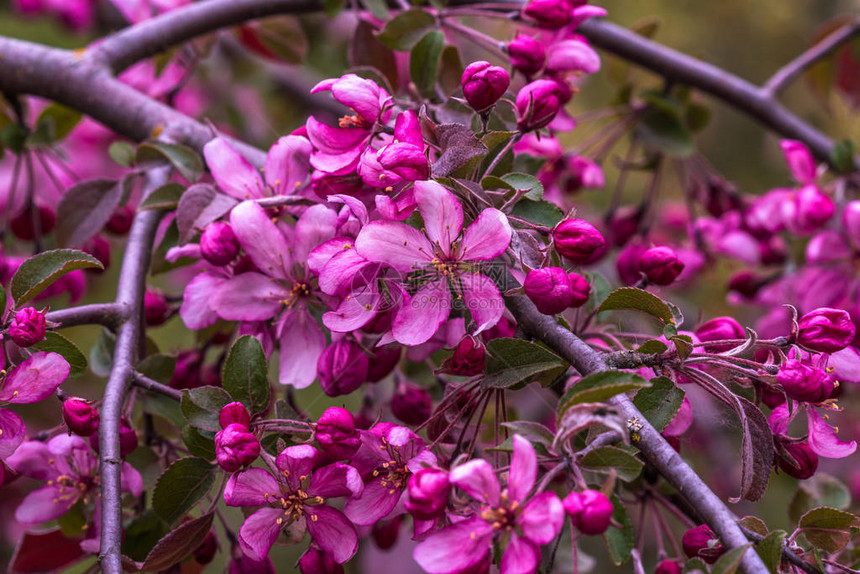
[235, 447]
[549, 14]
[825, 330]
[98, 247]
[661, 265]
[242, 564]
[809, 210]
[579, 288]
[234, 413]
[383, 362]
[411, 404]
[527, 54]
[205, 553]
[771, 396]
[428, 491]
[746, 283]
[804, 383]
[701, 542]
[583, 173]
[317, 561]
[342, 368]
[385, 532]
[537, 104]
[22, 225]
[590, 511]
[128, 442]
[155, 308]
[120, 220]
[27, 327]
[718, 329]
[668, 567]
[800, 161]
[549, 289]
[798, 460]
[484, 84]
[218, 243]
[80, 417]
[186, 375]
[577, 239]
[851, 222]
[336, 434]
[468, 359]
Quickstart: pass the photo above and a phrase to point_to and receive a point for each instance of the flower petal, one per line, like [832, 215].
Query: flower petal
[35, 379]
[261, 239]
[482, 299]
[488, 236]
[355, 311]
[233, 173]
[43, 505]
[249, 488]
[288, 164]
[130, 480]
[259, 532]
[315, 226]
[11, 433]
[542, 518]
[521, 477]
[332, 532]
[196, 309]
[442, 213]
[301, 344]
[421, 316]
[335, 480]
[248, 297]
[521, 557]
[374, 502]
[823, 439]
[393, 243]
[296, 462]
[456, 548]
[33, 459]
[478, 479]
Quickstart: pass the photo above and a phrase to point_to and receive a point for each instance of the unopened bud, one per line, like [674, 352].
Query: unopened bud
[825, 330]
[577, 239]
[589, 510]
[81, 418]
[336, 434]
[234, 413]
[483, 84]
[218, 243]
[27, 327]
[342, 368]
[235, 447]
[661, 265]
[412, 404]
[428, 491]
[527, 54]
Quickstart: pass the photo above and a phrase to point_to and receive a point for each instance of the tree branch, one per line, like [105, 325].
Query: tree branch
[144, 382]
[784, 76]
[106, 314]
[653, 446]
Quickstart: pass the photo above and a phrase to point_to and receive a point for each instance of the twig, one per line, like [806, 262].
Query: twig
[105, 314]
[787, 553]
[144, 382]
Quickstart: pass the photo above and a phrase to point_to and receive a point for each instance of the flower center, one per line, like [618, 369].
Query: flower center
[353, 121]
[501, 517]
[299, 290]
[394, 475]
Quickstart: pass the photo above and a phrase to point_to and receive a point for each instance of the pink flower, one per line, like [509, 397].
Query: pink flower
[822, 437]
[527, 54]
[800, 161]
[298, 495]
[388, 456]
[825, 330]
[71, 469]
[589, 510]
[527, 522]
[443, 259]
[572, 55]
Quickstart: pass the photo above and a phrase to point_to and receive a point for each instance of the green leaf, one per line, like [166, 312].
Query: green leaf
[660, 402]
[378, 8]
[198, 444]
[333, 8]
[161, 406]
[695, 565]
[101, 354]
[74, 522]
[404, 31]
[842, 156]
[142, 534]
[828, 529]
[186, 161]
[424, 62]
[54, 123]
[770, 550]
[730, 561]
[56, 343]
[598, 387]
[451, 70]
[653, 347]
[661, 127]
[755, 524]
[201, 407]
[630, 298]
[39, 271]
[180, 487]
[244, 374]
[178, 544]
[85, 208]
[606, 458]
[513, 362]
[820, 490]
[159, 368]
[535, 433]
[122, 153]
[540, 212]
[165, 197]
[13, 137]
[278, 38]
[199, 206]
[524, 181]
[619, 541]
[697, 117]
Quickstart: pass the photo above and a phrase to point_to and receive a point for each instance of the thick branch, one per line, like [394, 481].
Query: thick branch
[132, 280]
[105, 314]
[652, 444]
[784, 76]
[731, 89]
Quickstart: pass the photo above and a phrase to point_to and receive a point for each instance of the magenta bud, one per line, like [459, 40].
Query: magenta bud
[336, 434]
[825, 330]
[468, 359]
[386, 532]
[155, 308]
[851, 222]
[810, 210]
[577, 239]
[549, 14]
[537, 104]
[800, 161]
[235, 447]
[98, 247]
[746, 283]
[590, 511]
[27, 327]
[342, 368]
[205, 553]
[411, 404]
[527, 54]
[127, 439]
[719, 329]
[771, 396]
[804, 383]
[186, 375]
[798, 460]
[549, 289]
[580, 289]
[317, 561]
[81, 418]
[428, 491]
[24, 227]
[627, 263]
[218, 243]
[483, 84]
[234, 413]
[668, 567]
[661, 265]
[583, 174]
[623, 226]
[242, 564]
[383, 362]
[701, 542]
[120, 220]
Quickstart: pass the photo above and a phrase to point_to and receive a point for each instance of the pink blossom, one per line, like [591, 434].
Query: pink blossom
[800, 161]
[296, 498]
[822, 437]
